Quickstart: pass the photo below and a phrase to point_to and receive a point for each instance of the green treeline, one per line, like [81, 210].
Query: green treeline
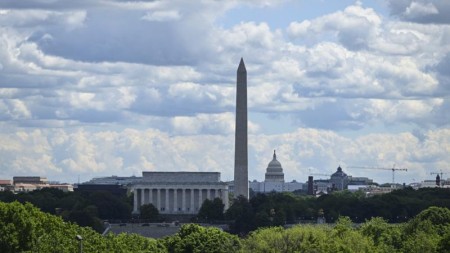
[276, 209]
[24, 228]
[84, 208]
[244, 216]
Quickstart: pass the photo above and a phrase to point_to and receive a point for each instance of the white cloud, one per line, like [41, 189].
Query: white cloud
[101, 65]
[66, 154]
[222, 124]
[355, 26]
[14, 109]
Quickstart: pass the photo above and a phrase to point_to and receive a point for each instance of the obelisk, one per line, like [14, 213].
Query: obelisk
[240, 144]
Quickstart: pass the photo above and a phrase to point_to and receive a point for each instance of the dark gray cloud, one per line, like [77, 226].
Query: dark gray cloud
[123, 36]
[59, 4]
[95, 77]
[180, 99]
[440, 116]
[443, 74]
[443, 67]
[331, 115]
[421, 11]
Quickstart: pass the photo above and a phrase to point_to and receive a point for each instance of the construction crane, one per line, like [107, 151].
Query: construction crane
[393, 169]
[440, 174]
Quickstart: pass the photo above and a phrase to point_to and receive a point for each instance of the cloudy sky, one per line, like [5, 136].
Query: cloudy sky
[115, 87]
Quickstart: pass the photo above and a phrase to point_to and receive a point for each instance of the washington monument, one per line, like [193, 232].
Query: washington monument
[240, 144]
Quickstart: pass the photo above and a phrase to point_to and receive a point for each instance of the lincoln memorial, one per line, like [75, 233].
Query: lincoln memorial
[178, 192]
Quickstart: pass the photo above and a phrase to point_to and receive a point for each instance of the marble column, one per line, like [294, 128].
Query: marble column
[158, 197]
[142, 196]
[191, 209]
[183, 200]
[167, 206]
[135, 200]
[175, 200]
[150, 197]
[200, 198]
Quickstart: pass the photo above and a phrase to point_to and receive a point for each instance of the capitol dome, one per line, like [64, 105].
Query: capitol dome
[274, 171]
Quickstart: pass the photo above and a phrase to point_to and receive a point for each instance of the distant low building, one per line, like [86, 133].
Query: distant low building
[373, 190]
[6, 184]
[428, 184]
[338, 181]
[356, 187]
[31, 187]
[114, 180]
[359, 181]
[435, 183]
[322, 186]
[62, 187]
[21, 187]
[115, 189]
[29, 180]
[31, 183]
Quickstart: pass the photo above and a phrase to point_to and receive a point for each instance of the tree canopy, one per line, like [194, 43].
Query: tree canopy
[24, 228]
[149, 212]
[277, 209]
[84, 208]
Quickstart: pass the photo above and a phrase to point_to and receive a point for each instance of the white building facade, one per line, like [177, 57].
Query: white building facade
[274, 179]
[178, 192]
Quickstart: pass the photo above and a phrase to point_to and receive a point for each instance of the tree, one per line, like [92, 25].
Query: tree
[149, 212]
[444, 244]
[420, 242]
[243, 216]
[195, 238]
[85, 218]
[109, 205]
[211, 210]
[387, 237]
[296, 239]
[432, 219]
[25, 228]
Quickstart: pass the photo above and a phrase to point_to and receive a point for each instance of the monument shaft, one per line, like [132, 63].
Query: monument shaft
[241, 148]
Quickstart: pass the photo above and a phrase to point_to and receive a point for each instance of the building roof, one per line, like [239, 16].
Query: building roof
[339, 173]
[5, 182]
[181, 176]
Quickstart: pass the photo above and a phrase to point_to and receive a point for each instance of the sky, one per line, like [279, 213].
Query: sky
[115, 87]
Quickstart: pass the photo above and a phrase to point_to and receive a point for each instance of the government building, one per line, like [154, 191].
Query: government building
[178, 192]
[274, 179]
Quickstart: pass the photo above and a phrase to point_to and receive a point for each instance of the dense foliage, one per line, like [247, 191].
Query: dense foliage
[24, 228]
[275, 209]
[308, 238]
[149, 212]
[194, 238]
[211, 210]
[262, 210]
[83, 208]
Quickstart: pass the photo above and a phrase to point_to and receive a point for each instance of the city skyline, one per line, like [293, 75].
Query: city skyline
[120, 87]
